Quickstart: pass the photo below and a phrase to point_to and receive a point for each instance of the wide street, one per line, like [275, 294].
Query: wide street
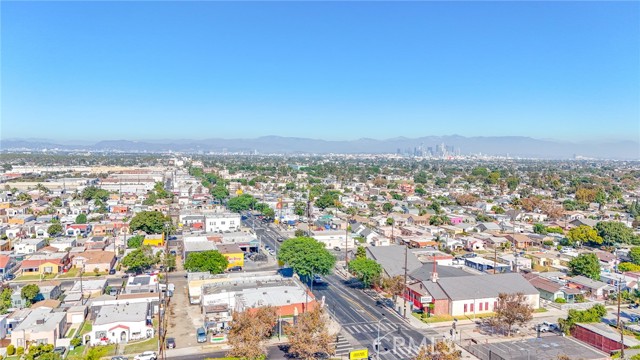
[360, 316]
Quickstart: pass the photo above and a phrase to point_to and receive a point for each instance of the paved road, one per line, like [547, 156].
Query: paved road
[360, 316]
[273, 353]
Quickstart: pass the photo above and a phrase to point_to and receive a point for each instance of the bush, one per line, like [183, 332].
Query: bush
[560, 301]
[20, 351]
[76, 341]
[11, 350]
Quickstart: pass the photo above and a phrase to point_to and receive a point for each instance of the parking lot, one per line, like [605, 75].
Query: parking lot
[544, 348]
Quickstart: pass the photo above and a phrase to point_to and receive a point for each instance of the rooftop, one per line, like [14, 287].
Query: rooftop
[133, 312]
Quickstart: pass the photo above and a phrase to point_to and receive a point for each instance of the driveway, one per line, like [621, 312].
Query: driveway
[184, 318]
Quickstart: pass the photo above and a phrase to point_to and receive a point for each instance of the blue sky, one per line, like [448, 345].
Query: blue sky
[331, 70]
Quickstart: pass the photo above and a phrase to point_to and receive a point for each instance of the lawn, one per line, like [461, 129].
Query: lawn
[73, 272]
[76, 353]
[71, 332]
[540, 310]
[145, 345]
[35, 277]
[443, 318]
[86, 328]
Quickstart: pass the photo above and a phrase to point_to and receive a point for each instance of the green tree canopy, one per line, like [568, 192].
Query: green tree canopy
[420, 178]
[366, 270]
[5, 300]
[306, 256]
[54, 229]
[241, 203]
[151, 222]
[94, 193]
[220, 192]
[29, 293]
[613, 232]
[361, 252]
[81, 219]
[139, 260]
[634, 255]
[135, 242]
[585, 235]
[387, 207]
[328, 199]
[211, 261]
[591, 315]
[587, 265]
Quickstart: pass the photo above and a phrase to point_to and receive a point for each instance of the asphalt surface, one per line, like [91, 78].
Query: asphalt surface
[361, 317]
[273, 353]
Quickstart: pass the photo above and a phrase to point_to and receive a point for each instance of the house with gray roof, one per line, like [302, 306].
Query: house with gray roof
[42, 325]
[391, 258]
[121, 323]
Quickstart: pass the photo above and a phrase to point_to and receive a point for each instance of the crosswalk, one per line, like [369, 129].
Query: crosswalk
[343, 347]
[396, 345]
[364, 328]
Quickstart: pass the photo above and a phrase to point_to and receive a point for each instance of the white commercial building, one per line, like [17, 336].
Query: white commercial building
[222, 222]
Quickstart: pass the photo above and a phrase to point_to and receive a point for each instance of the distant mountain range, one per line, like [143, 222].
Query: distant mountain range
[515, 146]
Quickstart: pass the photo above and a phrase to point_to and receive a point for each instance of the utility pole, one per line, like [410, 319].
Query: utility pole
[495, 258]
[620, 326]
[404, 295]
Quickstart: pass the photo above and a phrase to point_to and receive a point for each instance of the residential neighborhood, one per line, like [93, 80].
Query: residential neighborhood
[128, 259]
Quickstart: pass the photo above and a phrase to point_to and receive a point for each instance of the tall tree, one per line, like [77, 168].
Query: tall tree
[249, 330]
[135, 242]
[394, 286]
[513, 309]
[585, 264]
[29, 293]
[81, 219]
[211, 261]
[151, 222]
[585, 235]
[310, 335]
[366, 270]
[613, 232]
[306, 256]
[634, 255]
[139, 260]
[54, 229]
[5, 300]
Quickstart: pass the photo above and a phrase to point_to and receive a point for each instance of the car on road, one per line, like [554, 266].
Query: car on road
[171, 343]
[147, 355]
[235, 268]
[9, 276]
[337, 248]
[318, 280]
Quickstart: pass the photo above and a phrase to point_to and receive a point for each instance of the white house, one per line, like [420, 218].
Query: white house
[222, 222]
[28, 246]
[121, 323]
[333, 239]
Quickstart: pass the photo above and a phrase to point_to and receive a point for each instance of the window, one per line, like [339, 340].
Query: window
[232, 222]
[486, 306]
[465, 307]
[480, 309]
[471, 308]
[495, 305]
[221, 222]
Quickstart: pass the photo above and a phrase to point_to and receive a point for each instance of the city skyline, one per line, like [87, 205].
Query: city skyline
[333, 71]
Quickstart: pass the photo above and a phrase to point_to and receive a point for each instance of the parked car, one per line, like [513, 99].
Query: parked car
[9, 276]
[235, 268]
[60, 350]
[337, 248]
[201, 335]
[171, 343]
[147, 355]
[119, 358]
[633, 306]
[112, 272]
[542, 327]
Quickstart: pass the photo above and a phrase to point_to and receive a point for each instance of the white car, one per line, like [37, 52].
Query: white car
[147, 355]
